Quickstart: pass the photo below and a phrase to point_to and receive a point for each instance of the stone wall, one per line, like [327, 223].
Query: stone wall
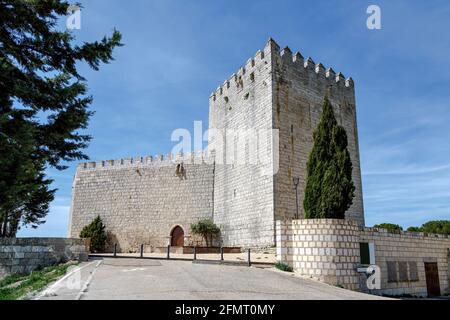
[329, 250]
[323, 249]
[24, 255]
[243, 188]
[412, 250]
[299, 88]
[141, 200]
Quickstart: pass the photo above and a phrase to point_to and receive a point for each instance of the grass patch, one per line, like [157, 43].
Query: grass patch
[283, 267]
[17, 286]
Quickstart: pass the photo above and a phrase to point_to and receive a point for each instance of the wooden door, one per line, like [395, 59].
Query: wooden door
[177, 239]
[432, 278]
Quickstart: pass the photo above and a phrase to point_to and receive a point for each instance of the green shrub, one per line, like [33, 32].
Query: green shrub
[96, 232]
[207, 229]
[283, 267]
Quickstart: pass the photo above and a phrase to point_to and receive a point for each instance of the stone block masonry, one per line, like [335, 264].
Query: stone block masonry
[298, 90]
[243, 192]
[141, 201]
[330, 251]
[404, 255]
[24, 255]
[323, 249]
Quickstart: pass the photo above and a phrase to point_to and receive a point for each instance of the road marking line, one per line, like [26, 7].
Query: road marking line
[135, 269]
[52, 287]
[88, 281]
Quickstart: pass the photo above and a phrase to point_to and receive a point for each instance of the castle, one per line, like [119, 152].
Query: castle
[144, 200]
[253, 188]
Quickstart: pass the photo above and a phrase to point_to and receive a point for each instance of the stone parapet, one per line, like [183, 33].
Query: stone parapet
[148, 161]
[329, 250]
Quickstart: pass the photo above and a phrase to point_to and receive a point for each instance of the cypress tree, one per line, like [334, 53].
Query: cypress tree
[329, 190]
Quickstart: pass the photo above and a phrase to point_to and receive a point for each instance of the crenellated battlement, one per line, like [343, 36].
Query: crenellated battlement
[158, 160]
[245, 73]
[308, 65]
[272, 49]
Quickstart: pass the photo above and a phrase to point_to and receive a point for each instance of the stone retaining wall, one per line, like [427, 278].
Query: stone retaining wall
[24, 255]
[408, 251]
[329, 250]
[323, 249]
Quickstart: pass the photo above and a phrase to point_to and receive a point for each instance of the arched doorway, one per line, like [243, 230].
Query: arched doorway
[177, 237]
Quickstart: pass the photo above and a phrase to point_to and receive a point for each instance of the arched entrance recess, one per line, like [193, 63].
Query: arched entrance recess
[177, 237]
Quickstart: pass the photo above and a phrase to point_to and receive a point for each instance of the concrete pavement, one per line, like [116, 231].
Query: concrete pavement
[110, 278]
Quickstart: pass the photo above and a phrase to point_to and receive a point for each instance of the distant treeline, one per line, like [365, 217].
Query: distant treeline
[437, 226]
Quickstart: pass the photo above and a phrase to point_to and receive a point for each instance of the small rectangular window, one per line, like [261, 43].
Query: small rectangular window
[364, 253]
[392, 271]
[413, 273]
[402, 271]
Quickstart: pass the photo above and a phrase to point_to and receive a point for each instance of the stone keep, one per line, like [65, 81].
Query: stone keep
[243, 186]
[282, 92]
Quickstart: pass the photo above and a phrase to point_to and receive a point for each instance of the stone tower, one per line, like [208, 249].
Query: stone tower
[281, 94]
[261, 124]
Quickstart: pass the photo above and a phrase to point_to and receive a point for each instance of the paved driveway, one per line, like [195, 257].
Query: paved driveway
[161, 279]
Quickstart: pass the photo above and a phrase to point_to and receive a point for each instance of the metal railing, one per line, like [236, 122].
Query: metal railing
[221, 259]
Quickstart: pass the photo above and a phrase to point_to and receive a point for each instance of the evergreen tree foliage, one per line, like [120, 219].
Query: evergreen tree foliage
[435, 226]
[438, 226]
[43, 105]
[329, 190]
[96, 232]
[389, 226]
[414, 229]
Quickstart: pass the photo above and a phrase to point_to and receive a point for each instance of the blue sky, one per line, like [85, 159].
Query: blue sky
[177, 52]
